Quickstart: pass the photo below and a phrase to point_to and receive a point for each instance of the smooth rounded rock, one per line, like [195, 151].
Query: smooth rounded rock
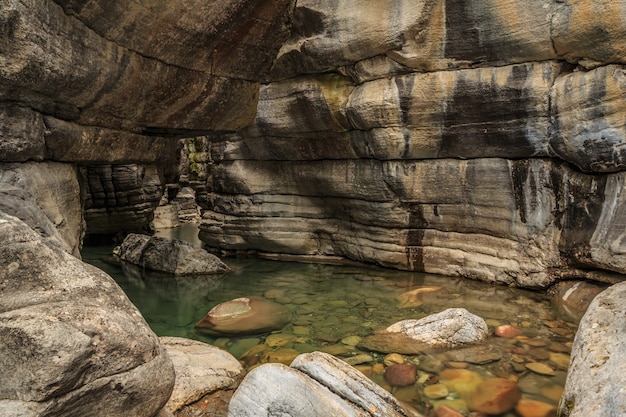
[400, 375]
[436, 391]
[201, 369]
[451, 327]
[245, 315]
[495, 396]
[507, 331]
[527, 407]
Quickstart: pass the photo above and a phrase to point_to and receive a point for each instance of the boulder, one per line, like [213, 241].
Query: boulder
[168, 255]
[450, 328]
[206, 377]
[245, 315]
[598, 359]
[166, 217]
[71, 342]
[573, 297]
[315, 384]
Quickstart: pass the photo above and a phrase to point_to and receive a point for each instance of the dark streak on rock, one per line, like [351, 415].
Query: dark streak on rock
[519, 175]
[484, 120]
[585, 198]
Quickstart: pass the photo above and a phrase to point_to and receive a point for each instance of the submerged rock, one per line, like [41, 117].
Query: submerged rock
[495, 396]
[245, 315]
[168, 255]
[400, 375]
[574, 297]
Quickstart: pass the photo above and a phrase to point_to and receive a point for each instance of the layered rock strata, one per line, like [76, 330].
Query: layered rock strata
[483, 140]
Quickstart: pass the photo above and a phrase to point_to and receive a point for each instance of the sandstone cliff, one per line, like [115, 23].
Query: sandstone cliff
[482, 139]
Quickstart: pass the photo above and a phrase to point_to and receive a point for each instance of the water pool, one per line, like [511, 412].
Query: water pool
[336, 306]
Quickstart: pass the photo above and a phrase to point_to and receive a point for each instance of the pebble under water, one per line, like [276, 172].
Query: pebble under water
[335, 306]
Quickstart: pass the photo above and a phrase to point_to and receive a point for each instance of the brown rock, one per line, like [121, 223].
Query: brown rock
[400, 375]
[507, 331]
[284, 356]
[447, 411]
[533, 408]
[436, 391]
[462, 381]
[495, 396]
[540, 368]
[246, 315]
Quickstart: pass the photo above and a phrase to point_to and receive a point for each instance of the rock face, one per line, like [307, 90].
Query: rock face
[168, 255]
[120, 198]
[315, 384]
[482, 140]
[72, 343]
[102, 83]
[598, 356]
[46, 196]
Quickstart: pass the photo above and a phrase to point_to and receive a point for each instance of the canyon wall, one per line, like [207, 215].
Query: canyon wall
[94, 96]
[481, 139]
[108, 83]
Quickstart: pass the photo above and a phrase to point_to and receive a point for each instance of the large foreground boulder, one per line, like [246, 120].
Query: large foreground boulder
[594, 385]
[206, 377]
[168, 255]
[71, 342]
[316, 384]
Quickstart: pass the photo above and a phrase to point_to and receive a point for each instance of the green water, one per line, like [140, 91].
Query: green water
[331, 303]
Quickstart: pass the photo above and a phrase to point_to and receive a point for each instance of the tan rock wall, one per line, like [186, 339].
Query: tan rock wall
[481, 139]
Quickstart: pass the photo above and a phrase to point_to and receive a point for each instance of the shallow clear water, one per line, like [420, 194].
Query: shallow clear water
[335, 305]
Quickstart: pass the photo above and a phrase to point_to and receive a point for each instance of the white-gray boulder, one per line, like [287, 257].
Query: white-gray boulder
[316, 384]
[451, 327]
[594, 385]
[205, 375]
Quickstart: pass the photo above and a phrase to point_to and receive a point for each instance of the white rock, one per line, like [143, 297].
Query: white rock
[451, 327]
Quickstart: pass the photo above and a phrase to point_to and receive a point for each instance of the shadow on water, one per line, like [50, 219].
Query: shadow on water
[335, 306]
